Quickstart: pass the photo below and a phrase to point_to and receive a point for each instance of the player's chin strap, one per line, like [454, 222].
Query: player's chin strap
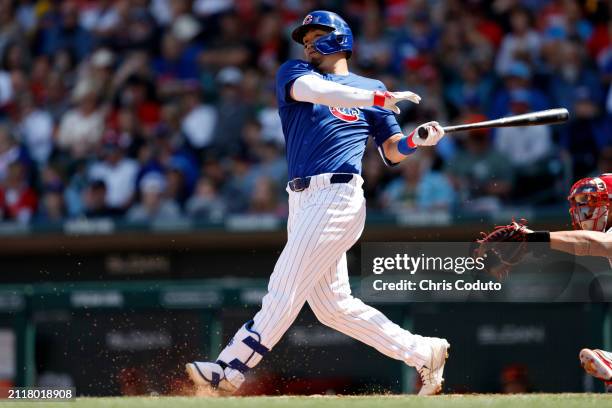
[244, 351]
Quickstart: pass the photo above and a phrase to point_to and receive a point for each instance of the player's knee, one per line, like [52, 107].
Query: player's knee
[284, 304]
[325, 315]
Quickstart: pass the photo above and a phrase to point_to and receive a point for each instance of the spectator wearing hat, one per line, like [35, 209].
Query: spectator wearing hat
[572, 74]
[521, 44]
[81, 128]
[233, 112]
[101, 72]
[119, 176]
[517, 77]
[199, 120]
[523, 146]
[177, 66]
[153, 206]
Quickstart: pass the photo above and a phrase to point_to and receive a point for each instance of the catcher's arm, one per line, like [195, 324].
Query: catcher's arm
[502, 258]
[589, 243]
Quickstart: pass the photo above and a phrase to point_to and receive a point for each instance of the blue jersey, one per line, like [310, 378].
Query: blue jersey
[321, 139]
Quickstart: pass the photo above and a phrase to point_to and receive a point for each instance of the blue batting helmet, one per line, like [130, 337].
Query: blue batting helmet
[339, 39]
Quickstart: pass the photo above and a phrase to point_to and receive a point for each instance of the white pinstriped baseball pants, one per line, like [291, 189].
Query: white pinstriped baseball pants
[325, 220]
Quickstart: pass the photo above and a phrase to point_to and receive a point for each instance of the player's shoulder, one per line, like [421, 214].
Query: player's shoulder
[294, 65]
[370, 84]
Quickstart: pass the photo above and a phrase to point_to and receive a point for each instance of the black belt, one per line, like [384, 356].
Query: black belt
[302, 183]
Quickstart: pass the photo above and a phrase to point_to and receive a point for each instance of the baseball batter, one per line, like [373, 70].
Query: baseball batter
[327, 115]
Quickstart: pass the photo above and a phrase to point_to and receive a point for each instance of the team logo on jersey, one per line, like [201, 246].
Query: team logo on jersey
[345, 114]
[307, 20]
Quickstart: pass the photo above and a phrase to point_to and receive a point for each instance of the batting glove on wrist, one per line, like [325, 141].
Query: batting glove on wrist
[389, 100]
[434, 134]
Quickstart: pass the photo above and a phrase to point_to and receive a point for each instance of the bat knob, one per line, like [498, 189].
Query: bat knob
[423, 133]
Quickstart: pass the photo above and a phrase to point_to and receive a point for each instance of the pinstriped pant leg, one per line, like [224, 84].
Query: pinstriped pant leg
[321, 230]
[334, 306]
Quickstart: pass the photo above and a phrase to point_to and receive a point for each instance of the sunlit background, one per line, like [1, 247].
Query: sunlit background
[142, 184]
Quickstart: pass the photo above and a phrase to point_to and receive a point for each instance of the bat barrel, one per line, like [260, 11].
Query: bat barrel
[545, 117]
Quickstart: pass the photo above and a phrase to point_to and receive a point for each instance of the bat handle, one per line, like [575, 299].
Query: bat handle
[423, 134]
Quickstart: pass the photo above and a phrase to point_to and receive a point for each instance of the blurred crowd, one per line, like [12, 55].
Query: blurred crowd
[163, 109]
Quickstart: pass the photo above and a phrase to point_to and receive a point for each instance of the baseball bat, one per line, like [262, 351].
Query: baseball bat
[545, 117]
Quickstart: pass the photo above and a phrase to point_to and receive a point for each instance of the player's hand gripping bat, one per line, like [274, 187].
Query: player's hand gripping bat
[545, 117]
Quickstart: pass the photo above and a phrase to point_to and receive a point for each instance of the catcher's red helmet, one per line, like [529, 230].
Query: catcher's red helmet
[590, 202]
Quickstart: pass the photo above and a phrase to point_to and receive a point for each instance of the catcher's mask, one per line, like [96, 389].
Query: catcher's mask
[590, 202]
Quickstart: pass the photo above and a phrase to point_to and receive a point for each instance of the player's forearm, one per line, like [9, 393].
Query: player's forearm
[310, 88]
[398, 146]
[589, 243]
[391, 147]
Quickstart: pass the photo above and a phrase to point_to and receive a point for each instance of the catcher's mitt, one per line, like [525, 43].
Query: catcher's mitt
[503, 248]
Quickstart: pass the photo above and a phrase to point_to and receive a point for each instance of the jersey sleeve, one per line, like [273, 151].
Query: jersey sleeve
[286, 74]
